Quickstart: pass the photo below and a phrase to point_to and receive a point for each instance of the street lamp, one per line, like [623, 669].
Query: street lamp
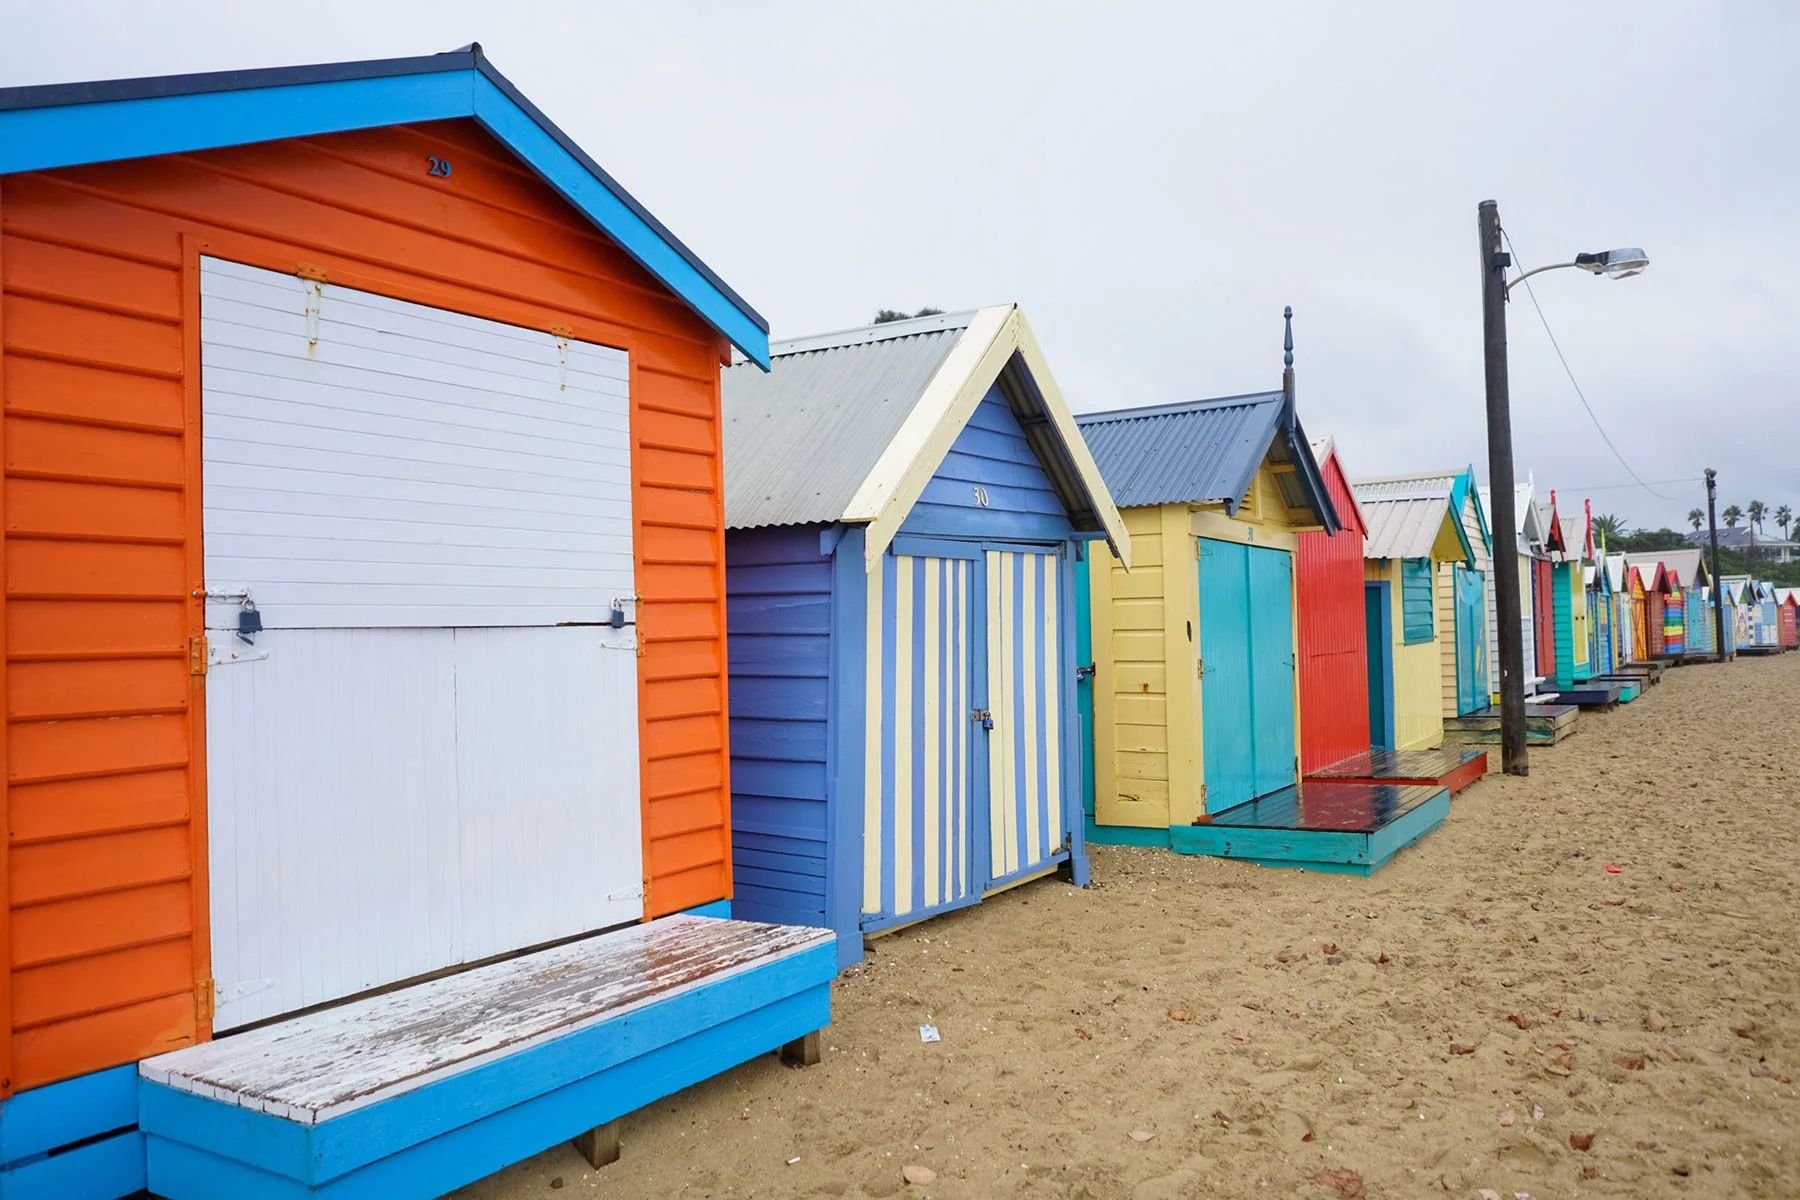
[1614, 264]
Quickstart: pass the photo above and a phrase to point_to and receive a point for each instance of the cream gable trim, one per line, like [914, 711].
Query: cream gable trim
[913, 457]
[1086, 469]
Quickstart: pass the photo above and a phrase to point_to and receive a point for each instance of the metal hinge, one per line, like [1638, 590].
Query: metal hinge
[197, 655]
[1199, 668]
[1203, 797]
[203, 1002]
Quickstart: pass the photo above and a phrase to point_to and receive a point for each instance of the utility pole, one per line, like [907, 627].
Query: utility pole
[1494, 261]
[1712, 525]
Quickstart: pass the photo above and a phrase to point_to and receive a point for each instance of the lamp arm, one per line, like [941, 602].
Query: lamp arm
[1518, 279]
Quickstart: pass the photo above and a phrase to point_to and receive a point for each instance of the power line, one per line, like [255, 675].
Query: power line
[1613, 487]
[1573, 382]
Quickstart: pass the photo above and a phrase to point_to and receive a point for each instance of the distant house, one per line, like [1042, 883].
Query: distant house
[1742, 537]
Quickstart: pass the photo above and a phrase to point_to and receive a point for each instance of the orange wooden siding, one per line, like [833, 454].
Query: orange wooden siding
[106, 925]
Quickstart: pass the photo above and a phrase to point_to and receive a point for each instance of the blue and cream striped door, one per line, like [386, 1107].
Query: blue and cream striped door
[918, 841]
[1025, 677]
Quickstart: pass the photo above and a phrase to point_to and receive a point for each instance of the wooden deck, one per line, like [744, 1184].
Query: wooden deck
[1453, 767]
[417, 1091]
[1350, 828]
[1546, 723]
[1592, 693]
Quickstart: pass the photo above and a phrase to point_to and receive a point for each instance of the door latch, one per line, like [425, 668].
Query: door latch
[984, 716]
[1086, 672]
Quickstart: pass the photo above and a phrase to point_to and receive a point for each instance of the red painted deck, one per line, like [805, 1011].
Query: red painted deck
[1453, 767]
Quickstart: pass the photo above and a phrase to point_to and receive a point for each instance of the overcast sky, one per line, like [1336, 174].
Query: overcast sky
[1153, 182]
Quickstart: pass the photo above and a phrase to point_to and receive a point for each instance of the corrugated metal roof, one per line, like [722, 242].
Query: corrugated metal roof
[1405, 513]
[801, 437]
[1688, 566]
[1194, 453]
[1202, 451]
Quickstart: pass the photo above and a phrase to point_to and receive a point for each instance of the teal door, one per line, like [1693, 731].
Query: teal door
[1379, 636]
[1247, 672]
[1471, 640]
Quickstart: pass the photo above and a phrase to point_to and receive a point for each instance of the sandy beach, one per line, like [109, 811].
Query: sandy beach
[1493, 1010]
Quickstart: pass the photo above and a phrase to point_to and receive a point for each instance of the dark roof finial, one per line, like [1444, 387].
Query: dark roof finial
[1287, 337]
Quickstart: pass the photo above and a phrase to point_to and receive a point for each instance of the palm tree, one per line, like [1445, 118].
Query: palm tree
[1695, 517]
[1756, 512]
[1733, 515]
[1784, 516]
[1610, 526]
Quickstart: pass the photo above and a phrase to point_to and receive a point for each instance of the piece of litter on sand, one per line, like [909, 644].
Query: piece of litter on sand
[794, 1160]
[1141, 1135]
[929, 1034]
[1613, 868]
[918, 1174]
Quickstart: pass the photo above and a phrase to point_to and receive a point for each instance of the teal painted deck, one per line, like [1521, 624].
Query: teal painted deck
[1342, 828]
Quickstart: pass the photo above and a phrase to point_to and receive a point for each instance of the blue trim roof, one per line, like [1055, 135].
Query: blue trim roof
[1203, 451]
[64, 125]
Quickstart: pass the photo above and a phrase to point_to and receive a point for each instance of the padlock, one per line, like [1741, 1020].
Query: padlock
[249, 623]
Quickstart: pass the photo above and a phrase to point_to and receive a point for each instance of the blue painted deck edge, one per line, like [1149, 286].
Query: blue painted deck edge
[202, 1148]
[720, 909]
[1314, 850]
[47, 1118]
[1124, 835]
[107, 1169]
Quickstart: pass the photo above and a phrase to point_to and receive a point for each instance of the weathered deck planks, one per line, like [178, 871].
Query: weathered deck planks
[318, 1066]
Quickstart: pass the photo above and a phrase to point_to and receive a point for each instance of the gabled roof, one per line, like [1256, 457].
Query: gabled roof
[849, 426]
[64, 125]
[1618, 572]
[1788, 595]
[1739, 589]
[1687, 566]
[1414, 516]
[1206, 452]
[1525, 513]
[1649, 566]
[1325, 453]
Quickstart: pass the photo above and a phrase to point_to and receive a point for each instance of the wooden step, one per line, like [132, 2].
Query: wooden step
[1321, 825]
[1451, 767]
[1542, 715]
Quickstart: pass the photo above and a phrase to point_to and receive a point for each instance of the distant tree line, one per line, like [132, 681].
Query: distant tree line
[884, 315]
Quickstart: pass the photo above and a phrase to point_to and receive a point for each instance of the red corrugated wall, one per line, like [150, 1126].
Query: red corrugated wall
[104, 785]
[1334, 656]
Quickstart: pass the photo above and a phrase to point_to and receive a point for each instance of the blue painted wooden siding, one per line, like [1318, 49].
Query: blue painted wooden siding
[778, 622]
[1416, 600]
[991, 454]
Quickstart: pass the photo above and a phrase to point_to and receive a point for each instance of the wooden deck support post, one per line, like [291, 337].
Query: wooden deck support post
[802, 1051]
[599, 1145]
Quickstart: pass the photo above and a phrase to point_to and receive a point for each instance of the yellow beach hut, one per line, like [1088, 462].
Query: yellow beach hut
[1214, 494]
[1416, 527]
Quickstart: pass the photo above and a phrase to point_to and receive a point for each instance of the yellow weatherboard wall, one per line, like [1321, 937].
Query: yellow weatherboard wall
[1148, 767]
[1418, 675]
